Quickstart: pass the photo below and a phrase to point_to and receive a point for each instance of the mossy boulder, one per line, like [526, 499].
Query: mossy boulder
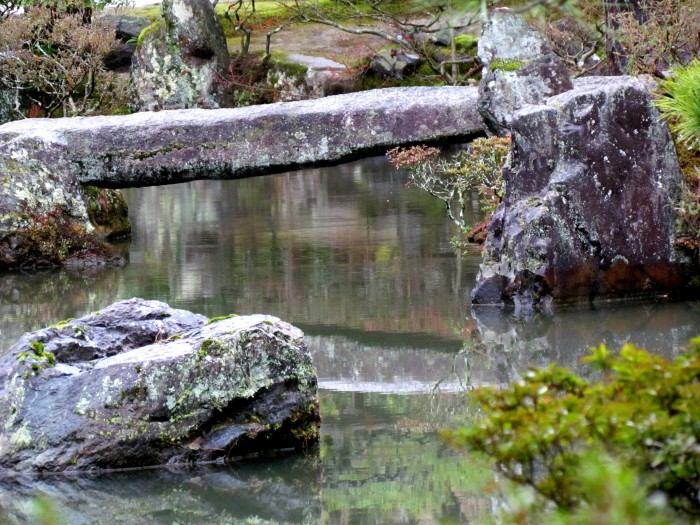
[47, 218]
[142, 384]
[181, 61]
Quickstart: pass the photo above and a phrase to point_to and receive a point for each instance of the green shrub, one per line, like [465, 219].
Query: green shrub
[643, 410]
[680, 103]
[55, 59]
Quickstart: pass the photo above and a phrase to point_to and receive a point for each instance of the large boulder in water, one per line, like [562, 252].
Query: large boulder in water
[181, 60]
[519, 69]
[587, 212]
[141, 384]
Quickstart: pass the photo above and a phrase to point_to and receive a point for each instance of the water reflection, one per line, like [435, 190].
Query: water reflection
[284, 491]
[364, 266]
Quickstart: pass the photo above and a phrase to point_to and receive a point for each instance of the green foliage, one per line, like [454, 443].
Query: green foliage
[644, 411]
[221, 318]
[680, 103]
[680, 106]
[466, 43]
[38, 356]
[614, 496]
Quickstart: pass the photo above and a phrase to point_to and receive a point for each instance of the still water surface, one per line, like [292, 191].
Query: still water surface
[364, 266]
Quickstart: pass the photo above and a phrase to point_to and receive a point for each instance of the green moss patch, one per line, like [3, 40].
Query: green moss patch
[506, 64]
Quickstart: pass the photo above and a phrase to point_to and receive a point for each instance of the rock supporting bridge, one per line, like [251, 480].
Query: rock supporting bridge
[154, 148]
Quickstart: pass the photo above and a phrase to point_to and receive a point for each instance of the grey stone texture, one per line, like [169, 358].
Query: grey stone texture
[181, 61]
[519, 69]
[140, 384]
[167, 147]
[588, 210]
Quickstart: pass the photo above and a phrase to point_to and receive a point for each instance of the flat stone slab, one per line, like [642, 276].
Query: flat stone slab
[167, 147]
[317, 63]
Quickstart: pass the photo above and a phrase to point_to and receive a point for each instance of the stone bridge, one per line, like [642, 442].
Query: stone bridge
[57, 202]
[167, 147]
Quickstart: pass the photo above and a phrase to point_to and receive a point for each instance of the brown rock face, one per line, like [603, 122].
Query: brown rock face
[587, 212]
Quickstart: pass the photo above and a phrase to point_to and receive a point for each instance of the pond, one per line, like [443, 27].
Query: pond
[364, 265]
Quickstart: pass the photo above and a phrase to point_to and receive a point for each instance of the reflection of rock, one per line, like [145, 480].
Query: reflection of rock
[32, 299]
[506, 345]
[586, 213]
[180, 61]
[283, 491]
[384, 363]
[142, 384]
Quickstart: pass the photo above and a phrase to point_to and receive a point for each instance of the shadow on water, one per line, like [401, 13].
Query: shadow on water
[364, 265]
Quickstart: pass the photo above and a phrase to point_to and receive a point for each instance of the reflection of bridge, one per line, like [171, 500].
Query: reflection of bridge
[168, 147]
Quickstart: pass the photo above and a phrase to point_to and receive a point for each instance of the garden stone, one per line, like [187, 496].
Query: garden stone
[587, 211]
[7, 105]
[182, 60]
[140, 384]
[126, 27]
[519, 69]
[302, 77]
[390, 63]
[47, 218]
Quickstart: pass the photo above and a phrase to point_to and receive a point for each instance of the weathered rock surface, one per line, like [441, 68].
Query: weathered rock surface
[167, 147]
[7, 105]
[127, 29]
[141, 384]
[519, 69]
[301, 77]
[394, 64]
[587, 213]
[181, 61]
[47, 218]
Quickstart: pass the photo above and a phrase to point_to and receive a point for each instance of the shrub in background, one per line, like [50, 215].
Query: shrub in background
[54, 58]
[680, 105]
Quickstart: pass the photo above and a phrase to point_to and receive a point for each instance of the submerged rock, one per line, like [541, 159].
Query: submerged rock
[181, 61]
[141, 384]
[519, 69]
[587, 212]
